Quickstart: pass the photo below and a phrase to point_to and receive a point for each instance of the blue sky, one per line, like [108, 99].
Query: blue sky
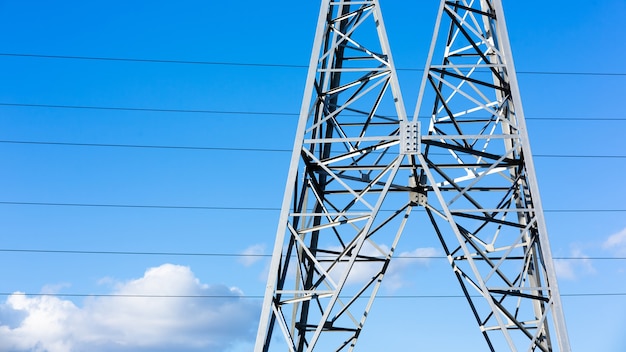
[221, 200]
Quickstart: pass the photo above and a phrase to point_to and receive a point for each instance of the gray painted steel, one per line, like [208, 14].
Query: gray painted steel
[470, 170]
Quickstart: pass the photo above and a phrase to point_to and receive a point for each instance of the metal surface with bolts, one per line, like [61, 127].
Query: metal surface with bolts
[471, 173]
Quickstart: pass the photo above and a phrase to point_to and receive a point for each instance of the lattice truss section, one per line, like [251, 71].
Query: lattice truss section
[333, 253]
[476, 161]
[360, 167]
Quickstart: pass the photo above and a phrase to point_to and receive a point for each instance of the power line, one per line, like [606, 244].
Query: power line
[231, 112]
[432, 296]
[253, 64]
[265, 150]
[157, 61]
[235, 255]
[142, 206]
[119, 295]
[579, 156]
[105, 145]
[115, 108]
[155, 206]
[133, 253]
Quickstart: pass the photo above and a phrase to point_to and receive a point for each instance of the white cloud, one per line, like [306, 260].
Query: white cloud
[616, 242]
[56, 288]
[114, 323]
[564, 269]
[252, 254]
[394, 278]
[572, 269]
[406, 261]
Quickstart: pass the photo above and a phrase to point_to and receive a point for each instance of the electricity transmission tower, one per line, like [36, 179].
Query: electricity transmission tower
[360, 167]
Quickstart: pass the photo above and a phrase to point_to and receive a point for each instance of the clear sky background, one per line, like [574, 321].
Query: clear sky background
[131, 178]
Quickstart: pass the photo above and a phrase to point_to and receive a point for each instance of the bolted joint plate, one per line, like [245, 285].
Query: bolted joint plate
[418, 194]
[410, 137]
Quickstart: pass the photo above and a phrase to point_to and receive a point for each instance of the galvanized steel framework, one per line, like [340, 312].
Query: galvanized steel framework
[357, 173]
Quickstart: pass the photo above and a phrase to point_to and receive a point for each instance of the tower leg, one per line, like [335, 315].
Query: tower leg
[486, 208]
[344, 164]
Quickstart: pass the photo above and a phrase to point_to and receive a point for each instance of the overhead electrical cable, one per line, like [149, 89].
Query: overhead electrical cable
[121, 295]
[141, 206]
[194, 111]
[157, 61]
[232, 112]
[254, 64]
[236, 255]
[264, 150]
[155, 206]
[107, 145]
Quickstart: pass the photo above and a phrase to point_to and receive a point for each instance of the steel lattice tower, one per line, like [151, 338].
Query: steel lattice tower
[358, 172]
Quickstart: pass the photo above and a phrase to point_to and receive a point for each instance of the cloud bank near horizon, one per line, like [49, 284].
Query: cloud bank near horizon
[219, 320]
